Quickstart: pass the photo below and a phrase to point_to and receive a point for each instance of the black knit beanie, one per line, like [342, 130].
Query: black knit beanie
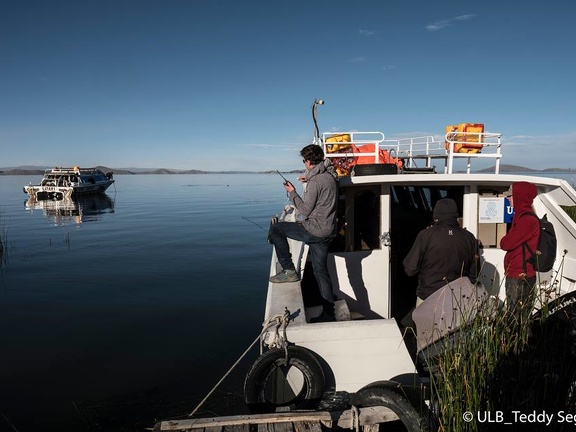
[445, 208]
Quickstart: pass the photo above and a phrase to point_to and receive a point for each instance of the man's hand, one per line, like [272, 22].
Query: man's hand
[289, 187]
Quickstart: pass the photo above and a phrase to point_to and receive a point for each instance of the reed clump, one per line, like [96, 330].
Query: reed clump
[570, 211]
[504, 361]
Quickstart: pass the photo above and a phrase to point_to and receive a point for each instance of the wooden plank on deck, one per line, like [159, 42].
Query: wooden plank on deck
[371, 428]
[256, 419]
[245, 427]
[366, 416]
[282, 427]
[281, 422]
[307, 427]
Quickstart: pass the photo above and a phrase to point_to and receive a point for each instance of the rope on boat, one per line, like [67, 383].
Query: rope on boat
[276, 338]
[280, 322]
[355, 418]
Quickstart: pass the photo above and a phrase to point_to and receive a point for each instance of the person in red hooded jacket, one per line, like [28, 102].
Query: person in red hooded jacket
[520, 274]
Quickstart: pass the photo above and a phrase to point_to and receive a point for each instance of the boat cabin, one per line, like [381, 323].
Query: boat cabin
[64, 183]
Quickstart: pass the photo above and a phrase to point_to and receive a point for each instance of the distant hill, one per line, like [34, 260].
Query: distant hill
[34, 171]
[520, 169]
[20, 171]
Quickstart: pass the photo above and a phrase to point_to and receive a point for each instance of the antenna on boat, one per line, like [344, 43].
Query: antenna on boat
[316, 139]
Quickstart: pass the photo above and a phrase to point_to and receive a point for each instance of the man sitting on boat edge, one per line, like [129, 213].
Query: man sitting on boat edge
[316, 226]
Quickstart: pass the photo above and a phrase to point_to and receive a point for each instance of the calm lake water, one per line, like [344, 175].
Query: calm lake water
[131, 311]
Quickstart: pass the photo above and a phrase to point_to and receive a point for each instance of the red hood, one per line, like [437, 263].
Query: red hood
[523, 194]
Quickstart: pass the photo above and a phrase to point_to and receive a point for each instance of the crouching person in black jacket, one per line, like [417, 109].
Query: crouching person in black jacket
[442, 252]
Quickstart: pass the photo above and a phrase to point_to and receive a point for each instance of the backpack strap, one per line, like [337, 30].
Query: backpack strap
[525, 244]
[524, 260]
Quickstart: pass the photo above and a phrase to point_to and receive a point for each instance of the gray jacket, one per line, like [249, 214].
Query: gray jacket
[320, 202]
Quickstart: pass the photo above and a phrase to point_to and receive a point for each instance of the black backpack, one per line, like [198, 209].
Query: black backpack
[545, 254]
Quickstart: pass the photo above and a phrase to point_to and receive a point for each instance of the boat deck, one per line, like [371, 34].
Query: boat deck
[366, 419]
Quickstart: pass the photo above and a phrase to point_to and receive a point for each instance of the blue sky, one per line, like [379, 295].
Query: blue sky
[228, 84]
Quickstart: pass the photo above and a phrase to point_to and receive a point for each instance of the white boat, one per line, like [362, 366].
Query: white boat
[62, 183]
[380, 216]
[364, 355]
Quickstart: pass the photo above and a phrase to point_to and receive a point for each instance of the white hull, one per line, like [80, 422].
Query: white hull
[64, 183]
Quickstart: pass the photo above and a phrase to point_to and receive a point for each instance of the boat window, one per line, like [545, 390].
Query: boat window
[358, 219]
[366, 220]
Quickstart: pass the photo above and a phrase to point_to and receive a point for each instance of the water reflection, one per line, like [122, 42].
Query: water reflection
[88, 208]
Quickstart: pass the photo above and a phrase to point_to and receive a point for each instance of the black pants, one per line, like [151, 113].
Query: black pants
[280, 233]
[520, 296]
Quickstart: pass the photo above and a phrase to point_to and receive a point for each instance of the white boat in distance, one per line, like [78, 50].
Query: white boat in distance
[63, 183]
[387, 192]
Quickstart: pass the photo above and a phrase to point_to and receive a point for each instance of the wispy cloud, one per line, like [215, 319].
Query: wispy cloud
[439, 25]
[532, 145]
[280, 146]
[389, 67]
[261, 145]
[367, 32]
[357, 60]
[544, 141]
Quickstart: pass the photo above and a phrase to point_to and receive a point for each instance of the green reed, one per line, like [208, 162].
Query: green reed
[504, 361]
[570, 210]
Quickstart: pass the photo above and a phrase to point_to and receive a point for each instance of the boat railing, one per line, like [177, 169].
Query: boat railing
[461, 145]
[349, 144]
[74, 170]
[411, 149]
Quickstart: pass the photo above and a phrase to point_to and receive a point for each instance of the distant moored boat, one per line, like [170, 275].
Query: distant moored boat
[61, 183]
